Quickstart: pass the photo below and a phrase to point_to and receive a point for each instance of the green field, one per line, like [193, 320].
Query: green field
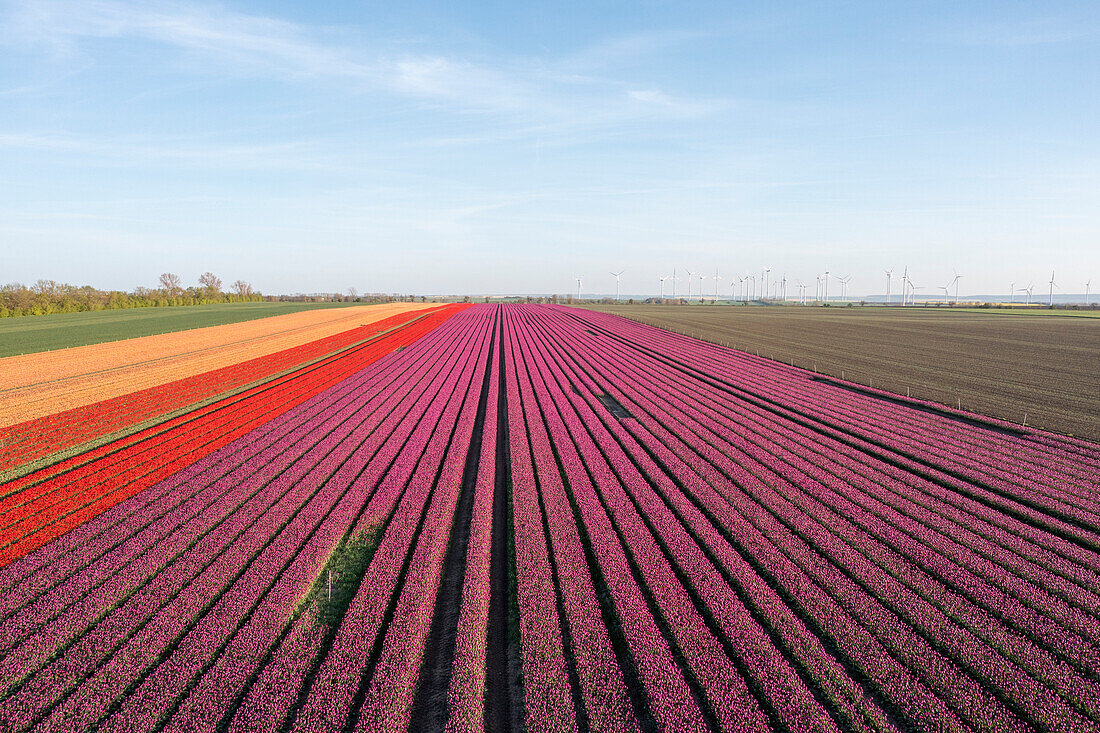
[30, 334]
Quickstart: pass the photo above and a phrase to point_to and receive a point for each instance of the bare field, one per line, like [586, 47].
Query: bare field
[1000, 364]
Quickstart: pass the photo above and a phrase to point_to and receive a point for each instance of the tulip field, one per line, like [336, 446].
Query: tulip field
[532, 517]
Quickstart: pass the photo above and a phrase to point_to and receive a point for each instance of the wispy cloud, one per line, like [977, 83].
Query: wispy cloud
[120, 152]
[1036, 32]
[236, 43]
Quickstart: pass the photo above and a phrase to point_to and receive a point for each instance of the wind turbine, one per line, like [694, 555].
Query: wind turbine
[690, 274]
[889, 274]
[753, 291]
[955, 282]
[826, 281]
[617, 275]
[578, 279]
[1052, 286]
[701, 278]
[817, 289]
[1087, 283]
[764, 281]
[662, 278]
[844, 286]
[784, 287]
[715, 284]
[947, 288]
[1027, 290]
[742, 281]
[674, 279]
[1012, 292]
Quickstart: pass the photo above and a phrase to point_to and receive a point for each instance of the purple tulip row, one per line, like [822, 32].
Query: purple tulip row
[604, 697]
[715, 453]
[792, 701]
[404, 574]
[466, 694]
[413, 460]
[389, 697]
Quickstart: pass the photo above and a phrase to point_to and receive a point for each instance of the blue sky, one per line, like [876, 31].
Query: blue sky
[506, 147]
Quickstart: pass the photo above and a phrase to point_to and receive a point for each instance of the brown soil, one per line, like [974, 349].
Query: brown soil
[996, 363]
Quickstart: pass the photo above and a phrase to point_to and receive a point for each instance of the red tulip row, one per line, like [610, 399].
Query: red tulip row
[130, 528]
[27, 441]
[48, 503]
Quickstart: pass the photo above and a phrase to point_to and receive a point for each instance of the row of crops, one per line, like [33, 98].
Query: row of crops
[533, 517]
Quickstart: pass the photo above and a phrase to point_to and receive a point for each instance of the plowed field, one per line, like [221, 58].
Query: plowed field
[1042, 366]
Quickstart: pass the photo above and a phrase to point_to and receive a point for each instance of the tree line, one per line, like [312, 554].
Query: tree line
[49, 296]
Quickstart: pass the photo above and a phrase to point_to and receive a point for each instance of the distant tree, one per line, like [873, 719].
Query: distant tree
[242, 288]
[211, 283]
[170, 282]
[353, 293]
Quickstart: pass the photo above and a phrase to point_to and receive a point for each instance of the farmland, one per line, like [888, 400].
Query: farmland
[1006, 364]
[27, 335]
[512, 517]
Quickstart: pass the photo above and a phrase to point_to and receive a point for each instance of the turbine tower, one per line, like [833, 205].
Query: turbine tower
[1087, 283]
[955, 282]
[826, 281]
[662, 278]
[674, 279]
[578, 279]
[1027, 290]
[1012, 292]
[715, 284]
[690, 275]
[617, 276]
[889, 274]
[1052, 286]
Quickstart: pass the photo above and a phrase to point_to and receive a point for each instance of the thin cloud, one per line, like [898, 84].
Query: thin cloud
[249, 44]
[1037, 32]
